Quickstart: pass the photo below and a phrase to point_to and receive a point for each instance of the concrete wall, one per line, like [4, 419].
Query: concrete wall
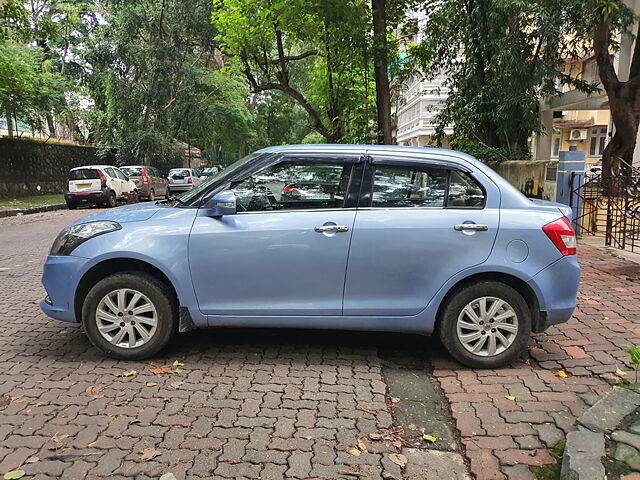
[31, 167]
[535, 178]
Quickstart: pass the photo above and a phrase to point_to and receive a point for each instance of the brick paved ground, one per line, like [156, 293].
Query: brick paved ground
[502, 436]
[277, 404]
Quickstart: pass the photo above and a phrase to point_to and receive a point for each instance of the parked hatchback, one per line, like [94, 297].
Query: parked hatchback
[148, 180]
[97, 184]
[182, 179]
[394, 239]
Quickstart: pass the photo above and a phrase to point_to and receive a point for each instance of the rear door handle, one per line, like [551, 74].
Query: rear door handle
[471, 226]
[331, 228]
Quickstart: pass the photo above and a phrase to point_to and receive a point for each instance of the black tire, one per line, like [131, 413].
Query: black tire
[152, 195]
[71, 206]
[111, 200]
[157, 292]
[447, 324]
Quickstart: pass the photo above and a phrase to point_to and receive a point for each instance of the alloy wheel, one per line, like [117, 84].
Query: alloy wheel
[487, 326]
[126, 318]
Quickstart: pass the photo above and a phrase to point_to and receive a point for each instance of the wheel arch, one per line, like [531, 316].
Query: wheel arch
[115, 265]
[523, 288]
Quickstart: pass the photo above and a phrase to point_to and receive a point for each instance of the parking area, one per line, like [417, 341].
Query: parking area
[286, 404]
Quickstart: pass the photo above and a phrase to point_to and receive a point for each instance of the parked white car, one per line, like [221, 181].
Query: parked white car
[97, 184]
[182, 179]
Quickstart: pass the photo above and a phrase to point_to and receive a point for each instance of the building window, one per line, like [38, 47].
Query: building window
[555, 146]
[598, 141]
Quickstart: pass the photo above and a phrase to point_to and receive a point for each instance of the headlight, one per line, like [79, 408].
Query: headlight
[74, 235]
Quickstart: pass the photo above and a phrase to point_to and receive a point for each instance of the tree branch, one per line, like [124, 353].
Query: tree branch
[292, 58]
[601, 41]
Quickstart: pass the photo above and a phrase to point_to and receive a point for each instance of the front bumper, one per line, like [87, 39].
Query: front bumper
[77, 198]
[60, 278]
[557, 288]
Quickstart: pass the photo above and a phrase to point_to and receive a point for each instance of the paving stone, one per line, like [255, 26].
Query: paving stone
[623, 452]
[582, 455]
[626, 437]
[438, 464]
[609, 411]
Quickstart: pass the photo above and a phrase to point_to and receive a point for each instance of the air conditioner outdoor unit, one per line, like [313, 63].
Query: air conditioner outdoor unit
[578, 134]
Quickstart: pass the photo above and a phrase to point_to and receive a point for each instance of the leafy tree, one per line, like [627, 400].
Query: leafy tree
[155, 78]
[599, 23]
[499, 58]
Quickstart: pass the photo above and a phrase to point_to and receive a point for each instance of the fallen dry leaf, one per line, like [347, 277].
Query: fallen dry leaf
[621, 373]
[151, 384]
[129, 373]
[14, 474]
[561, 374]
[397, 444]
[161, 370]
[177, 384]
[89, 389]
[510, 397]
[149, 454]
[353, 474]
[398, 459]
[178, 364]
[362, 446]
[91, 444]
[32, 460]
[375, 436]
[429, 438]
[395, 399]
[354, 451]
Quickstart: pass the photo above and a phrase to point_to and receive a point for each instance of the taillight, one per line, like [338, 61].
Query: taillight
[189, 180]
[103, 179]
[562, 235]
[289, 189]
[145, 178]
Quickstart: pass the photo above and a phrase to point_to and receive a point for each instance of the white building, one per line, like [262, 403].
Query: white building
[420, 101]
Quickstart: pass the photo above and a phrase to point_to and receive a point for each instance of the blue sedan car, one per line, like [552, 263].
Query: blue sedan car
[353, 237]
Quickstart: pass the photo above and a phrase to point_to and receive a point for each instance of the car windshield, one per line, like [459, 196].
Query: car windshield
[227, 172]
[84, 174]
[180, 172]
[132, 171]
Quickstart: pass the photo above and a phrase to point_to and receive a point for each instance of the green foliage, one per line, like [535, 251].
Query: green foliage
[634, 359]
[499, 58]
[155, 79]
[551, 472]
[483, 152]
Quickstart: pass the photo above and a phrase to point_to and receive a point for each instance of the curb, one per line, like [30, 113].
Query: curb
[26, 211]
[586, 443]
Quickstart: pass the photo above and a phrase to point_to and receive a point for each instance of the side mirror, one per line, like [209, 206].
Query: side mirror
[222, 203]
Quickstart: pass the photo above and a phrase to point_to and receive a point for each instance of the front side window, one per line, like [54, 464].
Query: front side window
[293, 186]
[397, 187]
[119, 174]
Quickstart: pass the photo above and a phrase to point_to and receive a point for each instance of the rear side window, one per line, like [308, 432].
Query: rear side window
[409, 187]
[401, 187]
[84, 174]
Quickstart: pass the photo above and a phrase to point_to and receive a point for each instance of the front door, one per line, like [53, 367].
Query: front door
[285, 252]
[422, 224]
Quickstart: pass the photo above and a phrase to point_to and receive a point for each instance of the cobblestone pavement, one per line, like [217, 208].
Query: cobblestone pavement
[504, 436]
[247, 404]
[283, 404]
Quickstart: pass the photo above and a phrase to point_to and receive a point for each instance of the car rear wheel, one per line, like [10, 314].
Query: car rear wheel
[485, 325]
[152, 195]
[71, 206]
[130, 315]
[111, 200]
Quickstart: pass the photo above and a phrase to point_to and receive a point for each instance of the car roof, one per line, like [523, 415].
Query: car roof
[133, 166]
[95, 167]
[426, 152]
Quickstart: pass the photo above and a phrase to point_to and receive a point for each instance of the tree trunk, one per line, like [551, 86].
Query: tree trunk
[51, 125]
[9, 114]
[381, 73]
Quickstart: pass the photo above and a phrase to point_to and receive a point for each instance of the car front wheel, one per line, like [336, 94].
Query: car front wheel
[130, 315]
[485, 325]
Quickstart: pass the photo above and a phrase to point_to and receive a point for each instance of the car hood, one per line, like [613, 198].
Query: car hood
[138, 212]
[564, 209]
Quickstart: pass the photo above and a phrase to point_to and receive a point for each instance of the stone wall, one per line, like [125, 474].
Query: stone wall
[534, 178]
[30, 167]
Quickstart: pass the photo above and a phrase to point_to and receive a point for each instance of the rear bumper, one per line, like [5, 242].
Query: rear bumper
[556, 288]
[179, 187]
[77, 198]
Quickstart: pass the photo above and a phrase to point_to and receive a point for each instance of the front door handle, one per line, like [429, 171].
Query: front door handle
[471, 226]
[331, 228]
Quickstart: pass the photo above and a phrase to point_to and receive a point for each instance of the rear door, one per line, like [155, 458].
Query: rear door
[421, 224]
[84, 180]
[114, 182]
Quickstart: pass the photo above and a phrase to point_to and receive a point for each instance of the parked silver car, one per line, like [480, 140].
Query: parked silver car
[182, 179]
